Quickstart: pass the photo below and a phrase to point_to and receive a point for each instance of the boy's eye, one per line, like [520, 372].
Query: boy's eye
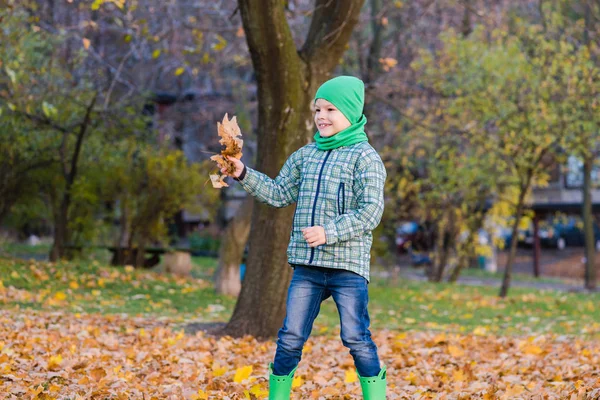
[331, 109]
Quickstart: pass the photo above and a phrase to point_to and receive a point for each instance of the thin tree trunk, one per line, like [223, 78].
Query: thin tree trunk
[468, 250]
[444, 256]
[140, 254]
[513, 243]
[588, 225]
[125, 227]
[440, 257]
[373, 64]
[463, 259]
[61, 231]
[70, 170]
[234, 239]
[466, 22]
[287, 80]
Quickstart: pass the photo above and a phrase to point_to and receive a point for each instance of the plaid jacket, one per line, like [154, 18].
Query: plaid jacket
[339, 189]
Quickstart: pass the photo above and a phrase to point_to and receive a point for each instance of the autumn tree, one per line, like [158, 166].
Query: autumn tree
[35, 95]
[82, 119]
[287, 79]
[575, 24]
[510, 87]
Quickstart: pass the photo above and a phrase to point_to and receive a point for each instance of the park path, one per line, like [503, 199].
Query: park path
[565, 266]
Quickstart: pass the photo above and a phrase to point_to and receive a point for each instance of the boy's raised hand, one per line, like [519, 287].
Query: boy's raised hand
[315, 235]
[239, 167]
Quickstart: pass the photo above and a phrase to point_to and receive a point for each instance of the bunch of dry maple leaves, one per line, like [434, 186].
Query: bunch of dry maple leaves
[230, 134]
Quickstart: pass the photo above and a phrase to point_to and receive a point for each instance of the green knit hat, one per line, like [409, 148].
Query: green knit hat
[347, 94]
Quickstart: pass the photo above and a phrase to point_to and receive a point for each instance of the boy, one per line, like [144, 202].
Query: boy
[337, 185]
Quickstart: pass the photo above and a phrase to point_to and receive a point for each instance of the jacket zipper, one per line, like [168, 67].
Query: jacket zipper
[314, 210]
[342, 197]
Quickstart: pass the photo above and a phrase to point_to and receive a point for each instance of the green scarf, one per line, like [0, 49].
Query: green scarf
[347, 94]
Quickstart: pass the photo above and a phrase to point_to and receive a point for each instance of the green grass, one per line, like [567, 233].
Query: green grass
[410, 305]
[89, 286]
[24, 250]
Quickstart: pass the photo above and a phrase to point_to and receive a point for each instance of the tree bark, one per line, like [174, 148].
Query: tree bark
[287, 80]
[588, 224]
[234, 239]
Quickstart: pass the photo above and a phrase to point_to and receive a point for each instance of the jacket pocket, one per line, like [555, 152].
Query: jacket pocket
[341, 198]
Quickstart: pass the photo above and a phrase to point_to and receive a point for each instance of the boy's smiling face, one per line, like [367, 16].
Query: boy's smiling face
[329, 119]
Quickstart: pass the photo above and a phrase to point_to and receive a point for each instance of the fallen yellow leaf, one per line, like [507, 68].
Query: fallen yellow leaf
[458, 375]
[297, 382]
[218, 371]
[455, 351]
[533, 350]
[480, 331]
[60, 296]
[351, 376]
[241, 374]
[259, 391]
[54, 362]
[202, 395]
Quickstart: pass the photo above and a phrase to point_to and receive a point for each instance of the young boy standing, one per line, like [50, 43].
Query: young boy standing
[337, 184]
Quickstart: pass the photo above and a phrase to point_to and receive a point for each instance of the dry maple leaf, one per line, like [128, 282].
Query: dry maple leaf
[217, 181]
[231, 138]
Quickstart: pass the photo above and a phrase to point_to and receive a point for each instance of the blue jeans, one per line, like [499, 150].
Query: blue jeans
[309, 287]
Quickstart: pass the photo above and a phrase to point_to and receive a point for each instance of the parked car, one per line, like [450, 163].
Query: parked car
[405, 235]
[561, 232]
[413, 236]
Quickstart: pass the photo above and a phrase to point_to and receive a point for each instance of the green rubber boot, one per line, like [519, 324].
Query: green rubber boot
[373, 387]
[280, 385]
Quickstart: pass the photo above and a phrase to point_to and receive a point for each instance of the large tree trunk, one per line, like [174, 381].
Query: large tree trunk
[287, 80]
[234, 239]
[588, 225]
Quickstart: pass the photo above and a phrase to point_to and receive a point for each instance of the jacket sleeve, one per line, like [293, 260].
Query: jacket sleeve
[279, 192]
[369, 184]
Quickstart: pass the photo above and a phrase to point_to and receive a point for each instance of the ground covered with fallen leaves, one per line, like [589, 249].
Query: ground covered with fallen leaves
[85, 330]
[58, 355]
